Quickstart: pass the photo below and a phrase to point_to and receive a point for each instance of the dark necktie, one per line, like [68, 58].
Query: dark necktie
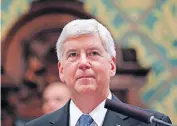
[85, 120]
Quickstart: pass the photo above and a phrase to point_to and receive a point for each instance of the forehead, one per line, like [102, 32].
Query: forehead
[88, 40]
[51, 89]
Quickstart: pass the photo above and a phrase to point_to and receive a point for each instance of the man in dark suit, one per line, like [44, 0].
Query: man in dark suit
[86, 61]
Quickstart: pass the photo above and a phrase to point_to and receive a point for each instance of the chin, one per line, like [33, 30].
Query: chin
[87, 89]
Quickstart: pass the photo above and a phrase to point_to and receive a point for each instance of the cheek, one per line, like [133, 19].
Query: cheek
[103, 71]
[103, 67]
[69, 71]
[45, 107]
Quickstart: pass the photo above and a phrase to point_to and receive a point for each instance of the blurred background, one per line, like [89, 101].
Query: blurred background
[145, 32]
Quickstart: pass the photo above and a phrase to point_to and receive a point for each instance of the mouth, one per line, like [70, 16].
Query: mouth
[85, 77]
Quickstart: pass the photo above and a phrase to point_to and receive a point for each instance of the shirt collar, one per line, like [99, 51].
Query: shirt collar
[97, 114]
[75, 113]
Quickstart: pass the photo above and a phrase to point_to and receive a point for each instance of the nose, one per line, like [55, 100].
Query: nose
[83, 62]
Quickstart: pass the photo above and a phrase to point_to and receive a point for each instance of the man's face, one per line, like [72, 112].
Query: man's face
[86, 67]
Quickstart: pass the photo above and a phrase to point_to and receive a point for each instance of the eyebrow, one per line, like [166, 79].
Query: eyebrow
[68, 51]
[95, 48]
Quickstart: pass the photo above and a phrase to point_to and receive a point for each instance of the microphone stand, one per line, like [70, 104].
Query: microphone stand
[155, 120]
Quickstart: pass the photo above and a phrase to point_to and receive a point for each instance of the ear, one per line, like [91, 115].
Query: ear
[113, 66]
[60, 69]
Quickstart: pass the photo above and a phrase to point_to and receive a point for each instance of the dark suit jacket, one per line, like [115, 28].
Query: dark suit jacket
[61, 118]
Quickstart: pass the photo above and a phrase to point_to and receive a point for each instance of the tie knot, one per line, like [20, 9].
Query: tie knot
[85, 120]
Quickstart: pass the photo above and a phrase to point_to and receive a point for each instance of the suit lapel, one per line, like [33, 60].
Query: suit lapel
[115, 119]
[61, 117]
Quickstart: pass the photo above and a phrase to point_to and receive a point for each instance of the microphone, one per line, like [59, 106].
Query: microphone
[133, 112]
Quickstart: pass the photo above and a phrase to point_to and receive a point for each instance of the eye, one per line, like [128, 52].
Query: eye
[72, 54]
[94, 53]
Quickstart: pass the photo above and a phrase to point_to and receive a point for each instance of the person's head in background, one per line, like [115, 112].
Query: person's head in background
[55, 95]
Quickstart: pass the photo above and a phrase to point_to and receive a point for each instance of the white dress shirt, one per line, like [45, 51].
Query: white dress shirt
[97, 114]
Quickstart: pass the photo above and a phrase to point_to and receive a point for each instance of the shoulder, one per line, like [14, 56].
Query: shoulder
[38, 121]
[51, 118]
[44, 119]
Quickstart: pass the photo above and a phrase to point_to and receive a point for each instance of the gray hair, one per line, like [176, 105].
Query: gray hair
[86, 26]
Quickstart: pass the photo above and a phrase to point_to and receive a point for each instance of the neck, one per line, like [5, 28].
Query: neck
[87, 103]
